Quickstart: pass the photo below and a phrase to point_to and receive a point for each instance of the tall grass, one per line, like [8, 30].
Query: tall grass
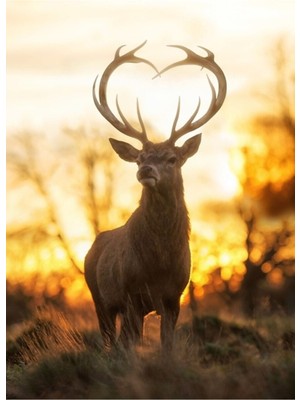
[212, 358]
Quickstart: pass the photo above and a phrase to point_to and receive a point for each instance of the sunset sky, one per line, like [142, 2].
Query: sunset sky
[54, 51]
[56, 48]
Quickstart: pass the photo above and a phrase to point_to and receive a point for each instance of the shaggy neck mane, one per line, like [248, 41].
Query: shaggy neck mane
[163, 212]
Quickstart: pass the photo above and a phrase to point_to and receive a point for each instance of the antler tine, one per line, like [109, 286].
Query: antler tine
[140, 116]
[101, 101]
[142, 135]
[176, 116]
[209, 63]
[177, 134]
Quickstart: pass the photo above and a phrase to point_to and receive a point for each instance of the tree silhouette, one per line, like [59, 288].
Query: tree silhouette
[75, 163]
[264, 165]
[268, 182]
[95, 159]
[25, 165]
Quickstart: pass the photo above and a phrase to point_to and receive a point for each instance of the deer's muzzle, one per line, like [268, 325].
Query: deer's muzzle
[147, 175]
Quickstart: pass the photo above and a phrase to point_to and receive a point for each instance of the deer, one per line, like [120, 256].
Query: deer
[144, 265]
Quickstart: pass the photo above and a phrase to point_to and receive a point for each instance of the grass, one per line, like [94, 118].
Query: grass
[54, 357]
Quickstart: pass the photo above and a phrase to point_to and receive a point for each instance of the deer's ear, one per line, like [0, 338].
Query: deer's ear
[190, 147]
[125, 150]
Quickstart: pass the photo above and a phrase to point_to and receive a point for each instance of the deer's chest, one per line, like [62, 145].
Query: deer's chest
[164, 254]
[161, 263]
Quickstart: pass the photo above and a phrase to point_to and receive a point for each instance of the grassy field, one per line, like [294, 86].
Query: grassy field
[58, 356]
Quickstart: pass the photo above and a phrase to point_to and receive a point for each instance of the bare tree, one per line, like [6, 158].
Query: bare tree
[268, 182]
[266, 205]
[23, 161]
[264, 257]
[284, 85]
[94, 158]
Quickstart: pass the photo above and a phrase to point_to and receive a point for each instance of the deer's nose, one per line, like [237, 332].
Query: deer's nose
[145, 171]
[148, 175]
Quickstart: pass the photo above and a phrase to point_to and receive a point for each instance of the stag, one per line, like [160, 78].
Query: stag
[144, 265]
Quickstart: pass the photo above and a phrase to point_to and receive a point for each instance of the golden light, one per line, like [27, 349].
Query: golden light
[275, 277]
[77, 291]
[59, 254]
[255, 254]
[65, 67]
[226, 273]
[240, 269]
[30, 263]
[199, 292]
[266, 267]
[225, 259]
[81, 249]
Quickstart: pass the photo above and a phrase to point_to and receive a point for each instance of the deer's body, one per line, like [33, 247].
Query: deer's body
[144, 265]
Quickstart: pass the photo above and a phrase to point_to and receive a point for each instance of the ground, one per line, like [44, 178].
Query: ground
[60, 355]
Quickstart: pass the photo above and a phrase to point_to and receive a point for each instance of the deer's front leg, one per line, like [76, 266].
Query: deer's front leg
[169, 318]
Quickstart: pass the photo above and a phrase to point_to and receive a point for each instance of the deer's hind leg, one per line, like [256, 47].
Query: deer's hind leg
[131, 325]
[106, 320]
[107, 324]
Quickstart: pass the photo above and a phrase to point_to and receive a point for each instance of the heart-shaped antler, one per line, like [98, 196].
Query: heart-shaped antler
[209, 63]
[102, 105]
[192, 58]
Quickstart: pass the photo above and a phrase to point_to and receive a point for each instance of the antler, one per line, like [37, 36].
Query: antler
[102, 105]
[216, 101]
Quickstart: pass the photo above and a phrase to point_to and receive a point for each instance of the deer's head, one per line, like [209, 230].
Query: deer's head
[159, 163]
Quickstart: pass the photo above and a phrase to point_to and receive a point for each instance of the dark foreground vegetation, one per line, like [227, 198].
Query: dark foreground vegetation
[56, 355]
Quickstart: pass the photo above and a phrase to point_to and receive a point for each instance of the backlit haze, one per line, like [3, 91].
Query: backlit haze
[55, 49]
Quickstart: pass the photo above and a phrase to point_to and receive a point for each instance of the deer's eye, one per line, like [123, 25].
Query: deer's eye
[172, 160]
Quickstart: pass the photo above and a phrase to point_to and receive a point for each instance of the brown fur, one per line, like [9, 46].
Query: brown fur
[144, 265]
